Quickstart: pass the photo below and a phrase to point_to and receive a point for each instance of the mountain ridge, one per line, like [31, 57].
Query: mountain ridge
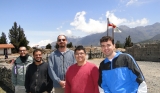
[138, 34]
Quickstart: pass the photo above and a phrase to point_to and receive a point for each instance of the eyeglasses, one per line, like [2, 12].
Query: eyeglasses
[59, 40]
[79, 54]
[22, 50]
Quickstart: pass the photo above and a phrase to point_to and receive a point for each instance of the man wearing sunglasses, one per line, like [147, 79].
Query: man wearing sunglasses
[59, 61]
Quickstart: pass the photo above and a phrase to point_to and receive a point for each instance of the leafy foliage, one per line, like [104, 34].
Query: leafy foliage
[128, 42]
[48, 46]
[118, 44]
[17, 37]
[69, 45]
[3, 38]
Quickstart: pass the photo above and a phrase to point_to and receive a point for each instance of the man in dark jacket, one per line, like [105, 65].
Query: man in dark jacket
[37, 79]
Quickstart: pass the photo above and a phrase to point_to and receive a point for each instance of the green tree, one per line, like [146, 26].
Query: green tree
[69, 45]
[3, 38]
[17, 37]
[128, 42]
[118, 44]
[48, 46]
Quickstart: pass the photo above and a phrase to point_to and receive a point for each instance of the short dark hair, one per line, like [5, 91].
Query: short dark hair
[36, 50]
[80, 47]
[62, 35]
[106, 39]
[22, 46]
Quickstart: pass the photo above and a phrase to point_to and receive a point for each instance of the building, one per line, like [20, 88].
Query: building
[5, 48]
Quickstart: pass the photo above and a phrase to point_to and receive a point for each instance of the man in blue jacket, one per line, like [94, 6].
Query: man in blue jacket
[59, 61]
[119, 72]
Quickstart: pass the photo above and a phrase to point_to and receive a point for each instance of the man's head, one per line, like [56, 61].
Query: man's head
[22, 51]
[80, 54]
[37, 55]
[107, 45]
[62, 41]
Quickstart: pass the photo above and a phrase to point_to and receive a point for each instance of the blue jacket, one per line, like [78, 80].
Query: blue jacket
[58, 65]
[121, 75]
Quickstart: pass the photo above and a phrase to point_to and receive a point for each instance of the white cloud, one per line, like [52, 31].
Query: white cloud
[138, 2]
[131, 2]
[96, 26]
[91, 27]
[41, 43]
[41, 38]
[59, 28]
[140, 22]
[66, 33]
[69, 32]
[114, 19]
[122, 21]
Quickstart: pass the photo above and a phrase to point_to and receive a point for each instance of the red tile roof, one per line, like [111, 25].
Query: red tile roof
[6, 46]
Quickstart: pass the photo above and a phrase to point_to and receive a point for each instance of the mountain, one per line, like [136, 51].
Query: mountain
[155, 39]
[140, 33]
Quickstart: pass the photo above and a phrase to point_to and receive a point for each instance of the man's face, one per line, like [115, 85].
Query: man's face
[80, 55]
[22, 51]
[107, 48]
[62, 42]
[37, 56]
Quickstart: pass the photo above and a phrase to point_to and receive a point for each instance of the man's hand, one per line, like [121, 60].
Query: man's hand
[62, 83]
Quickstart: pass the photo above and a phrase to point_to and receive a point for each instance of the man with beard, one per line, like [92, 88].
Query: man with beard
[19, 70]
[59, 61]
[37, 79]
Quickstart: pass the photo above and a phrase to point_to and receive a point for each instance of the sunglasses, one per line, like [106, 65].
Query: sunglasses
[59, 40]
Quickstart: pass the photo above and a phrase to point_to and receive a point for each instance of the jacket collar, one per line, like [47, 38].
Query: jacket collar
[117, 54]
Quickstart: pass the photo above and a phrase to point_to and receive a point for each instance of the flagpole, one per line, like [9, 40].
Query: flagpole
[112, 31]
[107, 25]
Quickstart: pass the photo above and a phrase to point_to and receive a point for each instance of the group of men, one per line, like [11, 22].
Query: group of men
[68, 71]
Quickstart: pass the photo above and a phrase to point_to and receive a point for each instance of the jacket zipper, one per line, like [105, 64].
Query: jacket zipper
[23, 72]
[63, 68]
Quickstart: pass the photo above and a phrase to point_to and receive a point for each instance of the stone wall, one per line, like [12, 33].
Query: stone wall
[145, 52]
[5, 75]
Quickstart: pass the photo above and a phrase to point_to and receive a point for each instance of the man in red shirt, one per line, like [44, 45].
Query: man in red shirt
[82, 77]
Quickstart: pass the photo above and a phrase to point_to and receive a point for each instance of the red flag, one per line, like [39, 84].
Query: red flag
[113, 25]
[109, 23]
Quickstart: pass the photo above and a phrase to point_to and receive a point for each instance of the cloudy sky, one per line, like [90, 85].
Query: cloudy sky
[44, 20]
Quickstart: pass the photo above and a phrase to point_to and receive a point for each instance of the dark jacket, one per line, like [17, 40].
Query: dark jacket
[121, 75]
[37, 79]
